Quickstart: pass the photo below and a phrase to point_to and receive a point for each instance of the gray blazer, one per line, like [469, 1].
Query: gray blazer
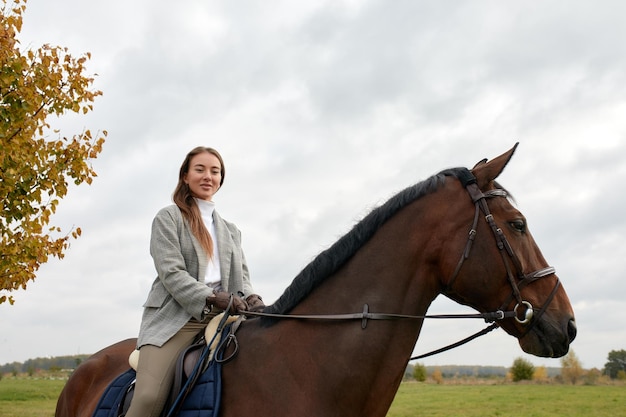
[178, 293]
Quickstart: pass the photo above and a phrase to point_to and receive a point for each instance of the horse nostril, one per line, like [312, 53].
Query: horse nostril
[571, 330]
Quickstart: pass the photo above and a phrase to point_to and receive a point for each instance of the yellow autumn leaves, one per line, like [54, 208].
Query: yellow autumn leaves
[37, 162]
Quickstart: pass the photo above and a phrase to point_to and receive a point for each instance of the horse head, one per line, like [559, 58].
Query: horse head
[516, 278]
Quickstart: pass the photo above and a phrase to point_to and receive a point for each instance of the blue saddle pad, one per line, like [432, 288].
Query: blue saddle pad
[204, 398]
[109, 403]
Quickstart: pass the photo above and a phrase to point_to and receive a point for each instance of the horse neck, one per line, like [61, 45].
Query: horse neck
[394, 272]
[311, 361]
[391, 274]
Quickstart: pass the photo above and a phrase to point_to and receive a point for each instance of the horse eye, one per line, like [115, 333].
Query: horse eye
[518, 225]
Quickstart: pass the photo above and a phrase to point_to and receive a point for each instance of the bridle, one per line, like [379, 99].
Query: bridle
[506, 252]
[517, 281]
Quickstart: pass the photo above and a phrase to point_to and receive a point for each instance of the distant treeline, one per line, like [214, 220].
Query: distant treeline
[43, 364]
[460, 371]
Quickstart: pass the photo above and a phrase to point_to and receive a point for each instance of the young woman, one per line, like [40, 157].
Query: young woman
[200, 265]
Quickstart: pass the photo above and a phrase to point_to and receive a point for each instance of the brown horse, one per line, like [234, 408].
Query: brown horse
[396, 261]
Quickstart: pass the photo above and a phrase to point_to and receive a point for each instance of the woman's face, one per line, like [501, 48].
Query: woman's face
[204, 175]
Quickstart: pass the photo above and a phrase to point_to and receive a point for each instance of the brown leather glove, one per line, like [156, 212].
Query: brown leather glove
[221, 300]
[255, 303]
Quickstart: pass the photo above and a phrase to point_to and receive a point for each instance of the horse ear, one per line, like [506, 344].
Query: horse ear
[487, 171]
[481, 162]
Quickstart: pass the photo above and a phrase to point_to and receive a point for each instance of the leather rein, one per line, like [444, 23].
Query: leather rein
[511, 262]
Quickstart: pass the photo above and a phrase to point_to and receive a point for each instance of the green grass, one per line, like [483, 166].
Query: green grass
[29, 397]
[37, 398]
[510, 400]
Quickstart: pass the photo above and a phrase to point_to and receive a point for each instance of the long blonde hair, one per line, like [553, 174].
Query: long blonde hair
[189, 208]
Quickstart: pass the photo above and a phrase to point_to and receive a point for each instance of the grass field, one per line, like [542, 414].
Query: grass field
[29, 397]
[37, 398]
[509, 400]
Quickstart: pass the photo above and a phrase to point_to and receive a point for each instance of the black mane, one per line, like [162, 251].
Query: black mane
[333, 258]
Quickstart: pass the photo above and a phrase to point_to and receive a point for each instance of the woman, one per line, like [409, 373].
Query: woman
[200, 266]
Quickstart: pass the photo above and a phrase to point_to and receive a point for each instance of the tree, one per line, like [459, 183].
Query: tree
[36, 162]
[540, 374]
[616, 363]
[437, 376]
[419, 372]
[592, 376]
[522, 369]
[571, 368]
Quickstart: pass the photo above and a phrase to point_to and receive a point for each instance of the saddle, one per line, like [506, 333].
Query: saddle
[197, 376]
[193, 362]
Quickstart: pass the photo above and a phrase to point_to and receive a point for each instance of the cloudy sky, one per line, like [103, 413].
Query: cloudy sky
[322, 111]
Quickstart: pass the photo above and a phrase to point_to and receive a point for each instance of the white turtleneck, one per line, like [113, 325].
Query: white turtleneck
[213, 277]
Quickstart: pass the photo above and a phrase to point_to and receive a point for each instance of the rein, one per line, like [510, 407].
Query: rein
[366, 315]
[480, 202]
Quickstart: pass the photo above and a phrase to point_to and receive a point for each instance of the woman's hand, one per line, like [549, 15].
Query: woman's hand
[255, 303]
[221, 300]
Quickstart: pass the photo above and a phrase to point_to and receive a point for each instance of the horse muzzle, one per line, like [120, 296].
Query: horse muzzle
[549, 339]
